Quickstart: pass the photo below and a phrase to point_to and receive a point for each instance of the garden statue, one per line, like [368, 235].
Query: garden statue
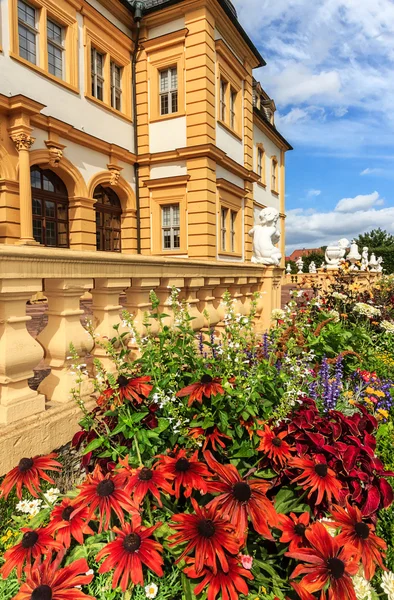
[380, 263]
[364, 259]
[373, 263]
[334, 254]
[312, 268]
[354, 256]
[288, 269]
[265, 235]
[300, 264]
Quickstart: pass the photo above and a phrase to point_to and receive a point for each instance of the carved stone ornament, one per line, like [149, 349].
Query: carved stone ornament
[265, 235]
[115, 174]
[55, 153]
[335, 253]
[22, 141]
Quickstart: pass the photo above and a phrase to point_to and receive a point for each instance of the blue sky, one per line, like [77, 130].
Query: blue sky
[330, 70]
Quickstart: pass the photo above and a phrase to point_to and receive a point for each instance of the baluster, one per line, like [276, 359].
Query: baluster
[164, 292]
[19, 352]
[64, 327]
[193, 285]
[208, 301]
[138, 302]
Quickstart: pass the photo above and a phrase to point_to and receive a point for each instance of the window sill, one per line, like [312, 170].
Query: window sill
[262, 185]
[167, 117]
[232, 254]
[275, 193]
[118, 113]
[170, 252]
[41, 71]
[227, 128]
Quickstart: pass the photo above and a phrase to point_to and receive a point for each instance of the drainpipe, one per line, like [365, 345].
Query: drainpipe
[138, 9]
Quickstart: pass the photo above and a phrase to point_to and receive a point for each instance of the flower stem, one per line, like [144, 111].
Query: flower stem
[138, 451]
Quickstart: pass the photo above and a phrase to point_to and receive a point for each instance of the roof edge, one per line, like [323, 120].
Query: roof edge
[262, 117]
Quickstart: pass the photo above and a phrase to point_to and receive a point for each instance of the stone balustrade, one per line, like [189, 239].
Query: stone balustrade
[323, 280]
[34, 422]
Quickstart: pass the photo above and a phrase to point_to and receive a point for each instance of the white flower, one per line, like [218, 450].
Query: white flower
[388, 584]
[90, 572]
[33, 507]
[387, 326]
[366, 309]
[52, 495]
[151, 590]
[334, 314]
[23, 506]
[362, 588]
[277, 314]
[331, 530]
[339, 296]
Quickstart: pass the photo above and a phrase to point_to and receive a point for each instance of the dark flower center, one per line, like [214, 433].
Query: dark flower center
[145, 474]
[336, 567]
[299, 529]
[132, 542]
[182, 465]
[321, 469]
[362, 530]
[277, 442]
[25, 464]
[67, 512]
[29, 539]
[206, 528]
[206, 379]
[122, 381]
[242, 491]
[43, 592]
[105, 488]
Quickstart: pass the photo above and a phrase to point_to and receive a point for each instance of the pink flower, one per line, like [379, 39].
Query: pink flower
[247, 561]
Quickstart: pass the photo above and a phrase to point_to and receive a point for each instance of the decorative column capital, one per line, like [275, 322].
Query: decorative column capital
[115, 171]
[22, 140]
[55, 152]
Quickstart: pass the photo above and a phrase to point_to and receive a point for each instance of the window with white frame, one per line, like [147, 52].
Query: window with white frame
[55, 37]
[116, 86]
[27, 31]
[233, 217]
[170, 227]
[274, 175]
[97, 74]
[260, 157]
[233, 98]
[223, 105]
[168, 91]
[223, 227]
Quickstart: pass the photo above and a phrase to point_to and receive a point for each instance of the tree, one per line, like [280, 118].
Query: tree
[377, 238]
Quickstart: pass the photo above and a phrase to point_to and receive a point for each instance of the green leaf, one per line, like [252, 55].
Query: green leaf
[94, 444]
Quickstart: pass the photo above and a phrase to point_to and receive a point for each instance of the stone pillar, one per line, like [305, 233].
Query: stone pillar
[193, 285]
[226, 283]
[237, 295]
[82, 218]
[164, 292]
[271, 291]
[64, 328]
[19, 352]
[138, 302]
[106, 314]
[208, 300]
[23, 142]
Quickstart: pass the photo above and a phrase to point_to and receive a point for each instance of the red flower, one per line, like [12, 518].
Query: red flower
[186, 472]
[28, 473]
[66, 521]
[227, 584]
[146, 480]
[105, 494]
[209, 534]
[211, 436]
[329, 561]
[358, 533]
[45, 581]
[241, 498]
[274, 446]
[128, 389]
[129, 551]
[317, 477]
[34, 543]
[293, 529]
[207, 386]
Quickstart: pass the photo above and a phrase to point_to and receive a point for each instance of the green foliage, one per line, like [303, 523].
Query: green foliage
[376, 238]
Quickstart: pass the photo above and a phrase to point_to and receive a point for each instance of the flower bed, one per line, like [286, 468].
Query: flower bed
[221, 466]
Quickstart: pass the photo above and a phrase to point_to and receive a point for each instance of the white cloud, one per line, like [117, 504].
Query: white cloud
[376, 171]
[313, 193]
[361, 202]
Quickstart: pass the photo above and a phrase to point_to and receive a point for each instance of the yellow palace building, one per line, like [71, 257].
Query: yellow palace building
[136, 149]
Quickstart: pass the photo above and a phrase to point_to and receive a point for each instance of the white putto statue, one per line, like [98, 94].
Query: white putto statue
[380, 264]
[265, 235]
[354, 256]
[300, 264]
[334, 254]
[312, 268]
[364, 259]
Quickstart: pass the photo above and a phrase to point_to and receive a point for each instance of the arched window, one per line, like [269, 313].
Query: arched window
[50, 208]
[108, 219]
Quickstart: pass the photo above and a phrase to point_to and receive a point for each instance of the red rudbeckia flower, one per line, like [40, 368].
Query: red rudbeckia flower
[106, 494]
[211, 436]
[328, 561]
[28, 474]
[241, 499]
[133, 390]
[227, 585]
[146, 480]
[45, 581]
[187, 473]
[303, 594]
[33, 544]
[67, 521]
[293, 530]
[358, 533]
[274, 446]
[317, 477]
[207, 386]
[129, 551]
[209, 534]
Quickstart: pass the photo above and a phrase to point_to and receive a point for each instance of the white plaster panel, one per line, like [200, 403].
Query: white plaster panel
[233, 147]
[165, 28]
[222, 173]
[128, 174]
[101, 9]
[88, 162]
[167, 135]
[61, 103]
[39, 139]
[173, 169]
[264, 195]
